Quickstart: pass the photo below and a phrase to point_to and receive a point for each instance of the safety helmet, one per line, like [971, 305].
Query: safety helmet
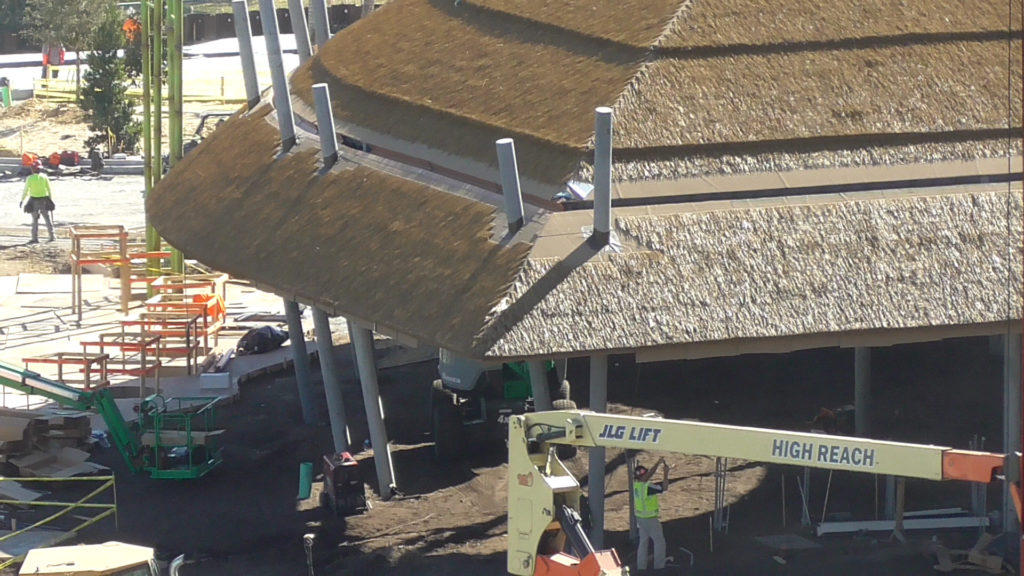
[639, 471]
[37, 166]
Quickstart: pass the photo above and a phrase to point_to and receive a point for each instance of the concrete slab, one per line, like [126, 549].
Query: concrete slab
[58, 283]
[787, 542]
[8, 286]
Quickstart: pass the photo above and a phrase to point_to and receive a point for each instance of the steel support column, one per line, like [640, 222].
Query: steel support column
[362, 341]
[243, 31]
[1011, 419]
[595, 477]
[300, 359]
[332, 383]
[539, 384]
[862, 391]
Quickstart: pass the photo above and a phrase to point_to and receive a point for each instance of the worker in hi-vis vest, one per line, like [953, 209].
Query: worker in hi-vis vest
[645, 502]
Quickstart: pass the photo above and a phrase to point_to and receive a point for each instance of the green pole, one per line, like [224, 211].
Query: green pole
[174, 86]
[152, 239]
[158, 90]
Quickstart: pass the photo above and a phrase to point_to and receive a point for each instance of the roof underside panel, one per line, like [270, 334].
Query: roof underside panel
[355, 240]
[821, 268]
[456, 78]
[744, 22]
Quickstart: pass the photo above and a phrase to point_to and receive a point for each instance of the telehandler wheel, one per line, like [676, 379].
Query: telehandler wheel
[563, 451]
[446, 426]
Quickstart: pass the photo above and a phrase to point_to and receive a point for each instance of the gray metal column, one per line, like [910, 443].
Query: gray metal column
[510, 190]
[539, 384]
[297, 13]
[325, 124]
[367, 8]
[332, 383]
[321, 22]
[282, 96]
[602, 176]
[862, 391]
[352, 347]
[243, 31]
[362, 341]
[595, 478]
[300, 359]
[1011, 419]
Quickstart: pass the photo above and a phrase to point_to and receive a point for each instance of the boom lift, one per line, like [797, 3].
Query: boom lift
[544, 497]
[165, 444]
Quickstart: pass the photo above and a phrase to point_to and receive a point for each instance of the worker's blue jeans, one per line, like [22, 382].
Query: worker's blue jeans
[650, 529]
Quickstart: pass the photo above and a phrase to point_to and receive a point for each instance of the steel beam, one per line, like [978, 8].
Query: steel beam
[332, 383]
[300, 359]
[362, 341]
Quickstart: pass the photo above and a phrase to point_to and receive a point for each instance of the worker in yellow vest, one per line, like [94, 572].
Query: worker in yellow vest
[37, 190]
[645, 503]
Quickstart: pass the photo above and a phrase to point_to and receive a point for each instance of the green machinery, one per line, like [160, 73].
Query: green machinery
[472, 402]
[176, 443]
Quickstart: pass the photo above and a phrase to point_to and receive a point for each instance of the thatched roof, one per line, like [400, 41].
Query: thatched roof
[698, 88]
[705, 273]
[356, 241]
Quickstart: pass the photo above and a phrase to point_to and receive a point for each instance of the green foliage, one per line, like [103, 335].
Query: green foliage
[104, 95]
[11, 13]
[71, 22]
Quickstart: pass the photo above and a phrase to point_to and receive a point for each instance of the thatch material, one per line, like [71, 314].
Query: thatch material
[356, 241]
[944, 87]
[763, 272]
[636, 23]
[745, 22]
[457, 78]
[785, 157]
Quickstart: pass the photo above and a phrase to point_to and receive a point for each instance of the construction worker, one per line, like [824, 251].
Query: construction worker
[645, 502]
[37, 190]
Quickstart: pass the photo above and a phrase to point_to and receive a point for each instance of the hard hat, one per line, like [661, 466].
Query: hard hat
[37, 166]
[639, 471]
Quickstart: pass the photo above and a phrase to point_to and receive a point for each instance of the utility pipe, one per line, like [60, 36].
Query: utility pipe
[300, 360]
[282, 96]
[325, 124]
[602, 176]
[321, 22]
[362, 341]
[510, 189]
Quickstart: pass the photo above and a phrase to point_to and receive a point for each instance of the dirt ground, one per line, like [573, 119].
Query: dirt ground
[244, 517]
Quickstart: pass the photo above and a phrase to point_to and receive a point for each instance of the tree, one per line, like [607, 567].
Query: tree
[11, 12]
[105, 94]
[72, 23]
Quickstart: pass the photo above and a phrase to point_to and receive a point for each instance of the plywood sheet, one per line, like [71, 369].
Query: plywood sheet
[57, 283]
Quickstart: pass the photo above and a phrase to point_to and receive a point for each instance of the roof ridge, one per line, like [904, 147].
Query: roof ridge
[652, 54]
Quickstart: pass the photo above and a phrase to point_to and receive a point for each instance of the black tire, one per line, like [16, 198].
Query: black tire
[563, 451]
[446, 426]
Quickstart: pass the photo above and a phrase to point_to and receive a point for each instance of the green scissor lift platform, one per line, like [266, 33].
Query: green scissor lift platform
[177, 441]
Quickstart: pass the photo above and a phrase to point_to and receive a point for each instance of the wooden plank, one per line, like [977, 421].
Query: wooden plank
[908, 524]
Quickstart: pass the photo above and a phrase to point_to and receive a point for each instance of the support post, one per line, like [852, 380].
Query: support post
[175, 96]
[602, 177]
[297, 13]
[300, 359]
[362, 341]
[539, 385]
[243, 31]
[332, 384]
[325, 124]
[1011, 419]
[862, 391]
[595, 477]
[321, 22]
[282, 95]
[510, 189]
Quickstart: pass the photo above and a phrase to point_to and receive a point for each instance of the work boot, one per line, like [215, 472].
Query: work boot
[33, 241]
[52, 238]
